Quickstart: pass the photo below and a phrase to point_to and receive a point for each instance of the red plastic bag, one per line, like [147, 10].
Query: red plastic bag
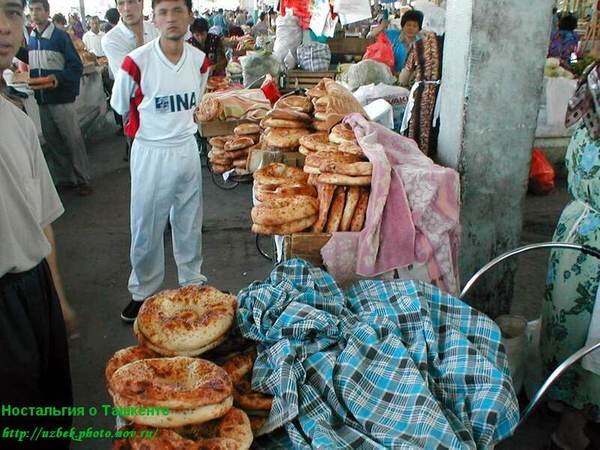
[541, 173]
[382, 51]
[270, 89]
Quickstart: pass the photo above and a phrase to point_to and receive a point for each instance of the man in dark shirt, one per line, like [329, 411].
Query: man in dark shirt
[209, 43]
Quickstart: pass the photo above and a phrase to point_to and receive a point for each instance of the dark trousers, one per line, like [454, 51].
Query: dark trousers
[34, 357]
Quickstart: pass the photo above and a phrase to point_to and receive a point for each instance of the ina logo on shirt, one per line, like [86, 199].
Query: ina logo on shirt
[175, 103]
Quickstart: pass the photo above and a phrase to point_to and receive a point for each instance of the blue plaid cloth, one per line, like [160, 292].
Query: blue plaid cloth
[383, 364]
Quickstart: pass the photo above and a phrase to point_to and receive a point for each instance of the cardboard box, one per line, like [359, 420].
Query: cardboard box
[306, 246]
[219, 127]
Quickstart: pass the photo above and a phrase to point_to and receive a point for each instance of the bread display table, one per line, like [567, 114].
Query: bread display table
[219, 127]
[305, 79]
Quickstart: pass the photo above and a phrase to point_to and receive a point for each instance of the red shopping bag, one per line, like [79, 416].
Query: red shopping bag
[270, 89]
[382, 51]
[541, 173]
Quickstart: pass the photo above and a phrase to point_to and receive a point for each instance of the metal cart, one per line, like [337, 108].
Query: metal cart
[564, 366]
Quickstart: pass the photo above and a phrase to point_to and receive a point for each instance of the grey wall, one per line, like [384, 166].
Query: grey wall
[494, 56]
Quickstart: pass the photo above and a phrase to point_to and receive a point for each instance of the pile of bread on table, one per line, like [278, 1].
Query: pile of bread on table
[331, 192]
[231, 152]
[189, 380]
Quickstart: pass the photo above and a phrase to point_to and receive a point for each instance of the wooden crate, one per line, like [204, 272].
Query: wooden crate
[348, 45]
[306, 246]
[305, 79]
[219, 127]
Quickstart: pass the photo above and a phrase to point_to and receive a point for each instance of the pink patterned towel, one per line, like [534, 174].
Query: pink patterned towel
[412, 218]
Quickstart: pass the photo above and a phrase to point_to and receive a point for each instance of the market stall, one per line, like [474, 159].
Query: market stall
[346, 350]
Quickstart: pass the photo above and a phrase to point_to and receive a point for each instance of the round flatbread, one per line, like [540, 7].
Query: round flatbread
[282, 123]
[287, 228]
[219, 141]
[314, 141]
[177, 383]
[288, 114]
[238, 143]
[210, 109]
[282, 210]
[186, 319]
[285, 137]
[246, 128]
[126, 356]
[296, 102]
[341, 133]
[278, 174]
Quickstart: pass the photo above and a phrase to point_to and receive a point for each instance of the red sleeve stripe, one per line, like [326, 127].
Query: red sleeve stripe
[132, 69]
[133, 119]
[205, 65]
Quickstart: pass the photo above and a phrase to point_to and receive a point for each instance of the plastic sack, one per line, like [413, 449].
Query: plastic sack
[395, 95]
[367, 72]
[314, 57]
[382, 51]
[288, 36]
[254, 67]
[541, 173]
[289, 61]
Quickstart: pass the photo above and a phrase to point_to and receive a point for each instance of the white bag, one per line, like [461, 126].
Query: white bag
[289, 61]
[288, 35]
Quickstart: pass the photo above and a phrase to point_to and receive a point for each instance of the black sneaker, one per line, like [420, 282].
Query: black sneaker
[131, 311]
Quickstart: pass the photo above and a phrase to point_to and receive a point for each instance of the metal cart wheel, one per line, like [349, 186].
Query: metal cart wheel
[221, 183]
[261, 245]
[564, 366]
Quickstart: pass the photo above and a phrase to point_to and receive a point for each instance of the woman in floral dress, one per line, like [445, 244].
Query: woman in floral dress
[573, 278]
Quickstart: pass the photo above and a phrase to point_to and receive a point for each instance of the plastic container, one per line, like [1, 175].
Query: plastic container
[514, 338]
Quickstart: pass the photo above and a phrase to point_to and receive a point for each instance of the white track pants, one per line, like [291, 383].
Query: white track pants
[166, 183]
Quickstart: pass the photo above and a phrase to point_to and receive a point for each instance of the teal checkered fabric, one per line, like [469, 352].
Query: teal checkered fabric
[381, 364]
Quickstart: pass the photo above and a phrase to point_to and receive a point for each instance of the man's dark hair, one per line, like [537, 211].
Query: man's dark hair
[199, 26]
[59, 18]
[44, 3]
[567, 22]
[262, 16]
[112, 16]
[188, 3]
[412, 16]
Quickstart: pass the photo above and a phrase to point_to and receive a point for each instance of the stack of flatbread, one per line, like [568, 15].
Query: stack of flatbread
[286, 203]
[342, 176]
[229, 152]
[174, 400]
[286, 123]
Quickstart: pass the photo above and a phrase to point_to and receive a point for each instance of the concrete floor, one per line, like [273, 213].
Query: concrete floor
[93, 246]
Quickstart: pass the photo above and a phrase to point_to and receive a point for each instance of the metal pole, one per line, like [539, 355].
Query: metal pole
[82, 12]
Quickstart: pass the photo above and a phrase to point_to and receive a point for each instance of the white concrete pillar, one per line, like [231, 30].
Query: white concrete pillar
[494, 53]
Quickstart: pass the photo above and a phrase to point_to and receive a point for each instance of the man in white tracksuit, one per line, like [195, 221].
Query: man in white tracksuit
[160, 85]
